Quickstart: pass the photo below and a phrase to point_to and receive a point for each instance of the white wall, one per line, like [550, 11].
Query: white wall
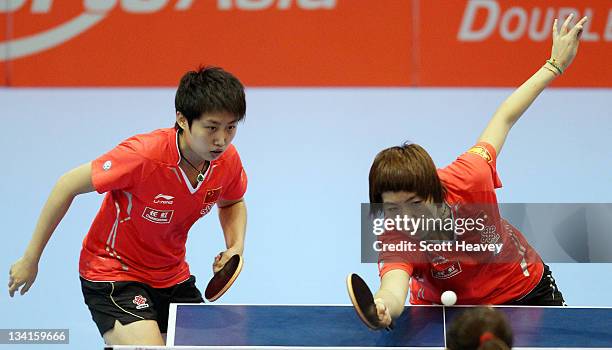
[307, 153]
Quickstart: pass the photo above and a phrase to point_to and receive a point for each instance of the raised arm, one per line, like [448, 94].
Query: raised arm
[564, 49]
[77, 181]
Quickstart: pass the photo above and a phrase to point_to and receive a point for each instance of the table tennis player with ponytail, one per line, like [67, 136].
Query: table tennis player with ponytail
[406, 175]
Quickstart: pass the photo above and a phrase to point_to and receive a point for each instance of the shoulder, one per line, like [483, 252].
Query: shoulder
[230, 153]
[475, 170]
[230, 158]
[158, 146]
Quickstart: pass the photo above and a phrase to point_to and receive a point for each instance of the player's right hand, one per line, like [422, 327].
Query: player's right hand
[383, 312]
[22, 273]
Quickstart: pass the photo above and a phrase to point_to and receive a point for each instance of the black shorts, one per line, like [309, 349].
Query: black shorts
[128, 301]
[545, 293]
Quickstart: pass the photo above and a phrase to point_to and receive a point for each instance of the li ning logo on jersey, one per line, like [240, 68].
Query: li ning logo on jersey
[163, 199]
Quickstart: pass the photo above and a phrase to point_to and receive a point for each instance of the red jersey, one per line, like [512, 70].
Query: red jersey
[140, 231]
[485, 277]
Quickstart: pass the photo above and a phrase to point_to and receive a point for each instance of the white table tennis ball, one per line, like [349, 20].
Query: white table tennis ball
[449, 298]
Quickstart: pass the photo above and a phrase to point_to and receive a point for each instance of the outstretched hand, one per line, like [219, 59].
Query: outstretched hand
[384, 316]
[22, 273]
[565, 41]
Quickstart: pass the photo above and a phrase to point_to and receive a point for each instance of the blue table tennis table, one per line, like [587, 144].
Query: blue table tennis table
[208, 326]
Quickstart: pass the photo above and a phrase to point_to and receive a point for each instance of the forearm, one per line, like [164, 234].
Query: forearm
[393, 303]
[513, 108]
[233, 219]
[52, 213]
[518, 102]
[393, 291]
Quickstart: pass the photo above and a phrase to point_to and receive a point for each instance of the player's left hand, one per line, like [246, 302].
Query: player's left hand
[222, 258]
[565, 41]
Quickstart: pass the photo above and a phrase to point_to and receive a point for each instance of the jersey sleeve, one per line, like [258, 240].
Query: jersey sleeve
[120, 168]
[237, 184]
[394, 260]
[475, 170]
[384, 267]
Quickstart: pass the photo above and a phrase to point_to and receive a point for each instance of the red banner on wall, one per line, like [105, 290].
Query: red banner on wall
[264, 42]
[296, 42]
[3, 64]
[500, 43]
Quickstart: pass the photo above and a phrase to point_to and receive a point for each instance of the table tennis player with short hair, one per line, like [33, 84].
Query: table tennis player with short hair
[401, 176]
[157, 185]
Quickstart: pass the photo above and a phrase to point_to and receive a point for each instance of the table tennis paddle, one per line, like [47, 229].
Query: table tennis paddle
[363, 301]
[224, 278]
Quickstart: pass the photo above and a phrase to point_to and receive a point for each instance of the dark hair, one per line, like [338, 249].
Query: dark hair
[481, 328]
[209, 90]
[406, 168]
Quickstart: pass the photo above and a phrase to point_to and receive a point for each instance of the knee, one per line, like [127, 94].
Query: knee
[145, 332]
